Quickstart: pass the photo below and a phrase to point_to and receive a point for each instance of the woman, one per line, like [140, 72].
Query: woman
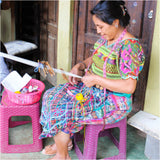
[104, 92]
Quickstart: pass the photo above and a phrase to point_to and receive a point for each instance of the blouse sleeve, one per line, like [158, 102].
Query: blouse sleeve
[131, 59]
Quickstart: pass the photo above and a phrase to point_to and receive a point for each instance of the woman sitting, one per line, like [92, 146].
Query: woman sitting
[104, 94]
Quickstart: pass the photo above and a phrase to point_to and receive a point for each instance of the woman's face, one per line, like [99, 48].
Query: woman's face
[107, 31]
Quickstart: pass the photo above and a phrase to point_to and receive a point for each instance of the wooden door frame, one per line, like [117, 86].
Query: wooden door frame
[147, 31]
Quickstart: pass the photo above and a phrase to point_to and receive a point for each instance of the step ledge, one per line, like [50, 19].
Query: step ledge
[147, 123]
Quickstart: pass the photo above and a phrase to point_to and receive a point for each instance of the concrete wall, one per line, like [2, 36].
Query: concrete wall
[65, 30]
[152, 99]
[5, 27]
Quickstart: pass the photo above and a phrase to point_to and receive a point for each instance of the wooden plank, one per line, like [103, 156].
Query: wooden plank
[81, 31]
[75, 33]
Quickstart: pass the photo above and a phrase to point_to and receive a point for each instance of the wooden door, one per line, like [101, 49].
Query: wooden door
[25, 15]
[27, 21]
[141, 26]
[48, 33]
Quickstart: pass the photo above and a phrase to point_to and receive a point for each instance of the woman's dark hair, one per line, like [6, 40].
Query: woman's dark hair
[108, 11]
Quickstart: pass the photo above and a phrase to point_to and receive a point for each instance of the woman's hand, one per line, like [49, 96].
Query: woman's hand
[117, 85]
[89, 79]
[78, 70]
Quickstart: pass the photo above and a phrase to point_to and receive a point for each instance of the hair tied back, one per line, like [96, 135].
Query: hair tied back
[123, 10]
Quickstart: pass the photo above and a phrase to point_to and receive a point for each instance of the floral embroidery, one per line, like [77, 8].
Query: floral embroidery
[126, 61]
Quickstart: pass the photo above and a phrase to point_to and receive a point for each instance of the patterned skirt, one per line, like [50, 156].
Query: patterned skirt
[63, 111]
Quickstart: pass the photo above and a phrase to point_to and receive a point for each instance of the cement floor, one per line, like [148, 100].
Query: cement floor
[23, 135]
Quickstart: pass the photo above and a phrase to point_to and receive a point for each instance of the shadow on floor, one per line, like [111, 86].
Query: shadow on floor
[23, 135]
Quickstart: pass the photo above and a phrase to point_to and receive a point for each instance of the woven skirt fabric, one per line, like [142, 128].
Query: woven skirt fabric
[61, 111]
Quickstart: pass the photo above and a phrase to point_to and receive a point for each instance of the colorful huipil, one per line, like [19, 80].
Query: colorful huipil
[62, 111]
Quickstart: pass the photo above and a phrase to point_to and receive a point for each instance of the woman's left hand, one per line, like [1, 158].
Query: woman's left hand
[89, 79]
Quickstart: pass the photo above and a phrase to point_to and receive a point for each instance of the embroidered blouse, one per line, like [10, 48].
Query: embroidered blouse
[125, 61]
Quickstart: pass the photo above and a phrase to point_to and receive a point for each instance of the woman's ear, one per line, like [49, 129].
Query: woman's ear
[116, 23]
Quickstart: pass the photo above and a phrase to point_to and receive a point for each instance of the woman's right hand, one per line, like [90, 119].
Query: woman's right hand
[77, 69]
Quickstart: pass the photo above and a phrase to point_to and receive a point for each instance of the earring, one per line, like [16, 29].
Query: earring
[116, 25]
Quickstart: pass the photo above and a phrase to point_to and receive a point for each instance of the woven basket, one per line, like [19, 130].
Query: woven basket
[27, 98]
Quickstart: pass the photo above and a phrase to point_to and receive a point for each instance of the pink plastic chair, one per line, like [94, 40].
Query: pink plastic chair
[92, 133]
[8, 110]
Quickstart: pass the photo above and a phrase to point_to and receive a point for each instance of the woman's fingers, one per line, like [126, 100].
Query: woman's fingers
[88, 80]
[75, 80]
[70, 79]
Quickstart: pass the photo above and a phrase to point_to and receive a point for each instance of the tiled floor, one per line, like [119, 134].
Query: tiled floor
[23, 135]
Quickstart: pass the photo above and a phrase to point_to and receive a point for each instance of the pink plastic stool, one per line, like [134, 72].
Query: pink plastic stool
[9, 109]
[91, 140]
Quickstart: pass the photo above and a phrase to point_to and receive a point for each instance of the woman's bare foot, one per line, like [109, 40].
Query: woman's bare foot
[58, 157]
[52, 149]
